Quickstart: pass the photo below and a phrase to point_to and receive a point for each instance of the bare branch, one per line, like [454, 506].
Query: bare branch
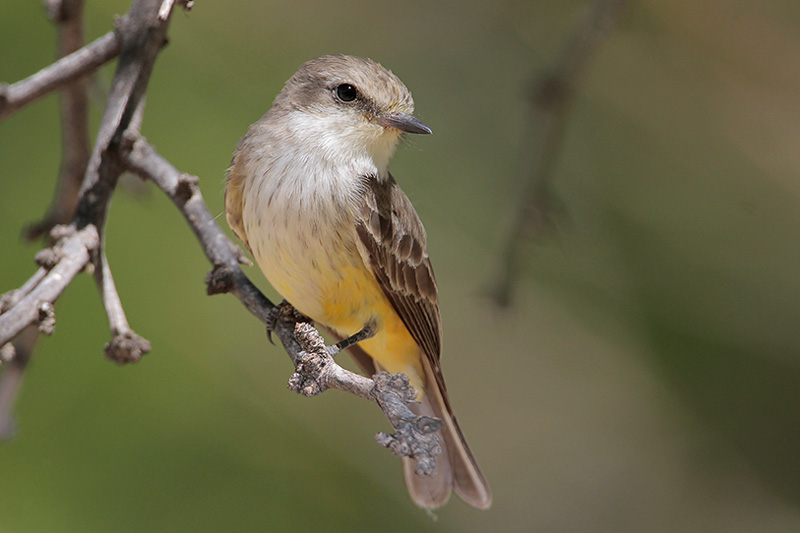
[11, 378]
[139, 37]
[125, 345]
[143, 35]
[316, 371]
[10, 299]
[68, 14]
[182, 189]
[53, 77]
[552, 98]
[74, 252]
[111, 301]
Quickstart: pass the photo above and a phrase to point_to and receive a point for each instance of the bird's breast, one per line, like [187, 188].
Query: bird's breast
[300, 223]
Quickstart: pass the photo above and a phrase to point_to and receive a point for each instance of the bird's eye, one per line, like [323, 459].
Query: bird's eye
[346, 92]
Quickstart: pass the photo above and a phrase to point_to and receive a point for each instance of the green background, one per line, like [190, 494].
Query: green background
[647, 377]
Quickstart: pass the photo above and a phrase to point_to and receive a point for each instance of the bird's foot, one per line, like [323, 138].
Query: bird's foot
[283, 312]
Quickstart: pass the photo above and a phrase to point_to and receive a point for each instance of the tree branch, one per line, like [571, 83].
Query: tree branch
[316, 371]
[125, 345]
[68, 15]
[33, 303]
[11, 378]
[87, 59]
[552, 98]
[139, 37]
[143, 34]
[182, 189]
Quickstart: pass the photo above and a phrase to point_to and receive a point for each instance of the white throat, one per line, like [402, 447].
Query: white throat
[334, 140]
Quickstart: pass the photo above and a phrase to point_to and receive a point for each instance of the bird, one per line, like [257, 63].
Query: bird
[310, 195]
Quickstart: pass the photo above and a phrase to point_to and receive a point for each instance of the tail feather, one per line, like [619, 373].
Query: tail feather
[434, 490]
[456, 466]
[429, 491]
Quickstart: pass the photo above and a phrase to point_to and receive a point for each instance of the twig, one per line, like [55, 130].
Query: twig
[142, 35]
[125, 345]
[139, 36]
[53, 77]
[182, 189]
[68, 14]
[552, 99]
[74, 252]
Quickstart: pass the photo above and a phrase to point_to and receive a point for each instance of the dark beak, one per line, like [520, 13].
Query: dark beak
[403, 122]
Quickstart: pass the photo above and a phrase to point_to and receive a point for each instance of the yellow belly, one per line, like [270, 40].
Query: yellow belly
[340, 292]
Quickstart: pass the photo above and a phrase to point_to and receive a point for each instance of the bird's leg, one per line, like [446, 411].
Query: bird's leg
[284, 311]
[367, 332]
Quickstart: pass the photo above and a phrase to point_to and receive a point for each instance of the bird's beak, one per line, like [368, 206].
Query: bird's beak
[403, 122]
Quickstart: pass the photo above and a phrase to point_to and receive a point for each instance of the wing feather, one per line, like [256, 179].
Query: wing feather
[392, 242]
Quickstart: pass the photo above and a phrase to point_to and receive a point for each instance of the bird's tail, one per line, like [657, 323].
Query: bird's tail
[456, 468]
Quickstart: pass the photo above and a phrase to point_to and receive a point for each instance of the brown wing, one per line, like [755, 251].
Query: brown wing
[234, 190]
[393, 244]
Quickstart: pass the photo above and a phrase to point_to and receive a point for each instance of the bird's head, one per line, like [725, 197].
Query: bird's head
[348, 104]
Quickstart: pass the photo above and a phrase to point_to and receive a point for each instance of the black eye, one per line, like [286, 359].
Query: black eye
[346, 92]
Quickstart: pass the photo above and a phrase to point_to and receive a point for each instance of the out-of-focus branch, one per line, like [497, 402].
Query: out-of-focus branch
[11, 377]
[68, 15]
[553, 95]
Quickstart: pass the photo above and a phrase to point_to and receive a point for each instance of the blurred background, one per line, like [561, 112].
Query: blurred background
[645, 378]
